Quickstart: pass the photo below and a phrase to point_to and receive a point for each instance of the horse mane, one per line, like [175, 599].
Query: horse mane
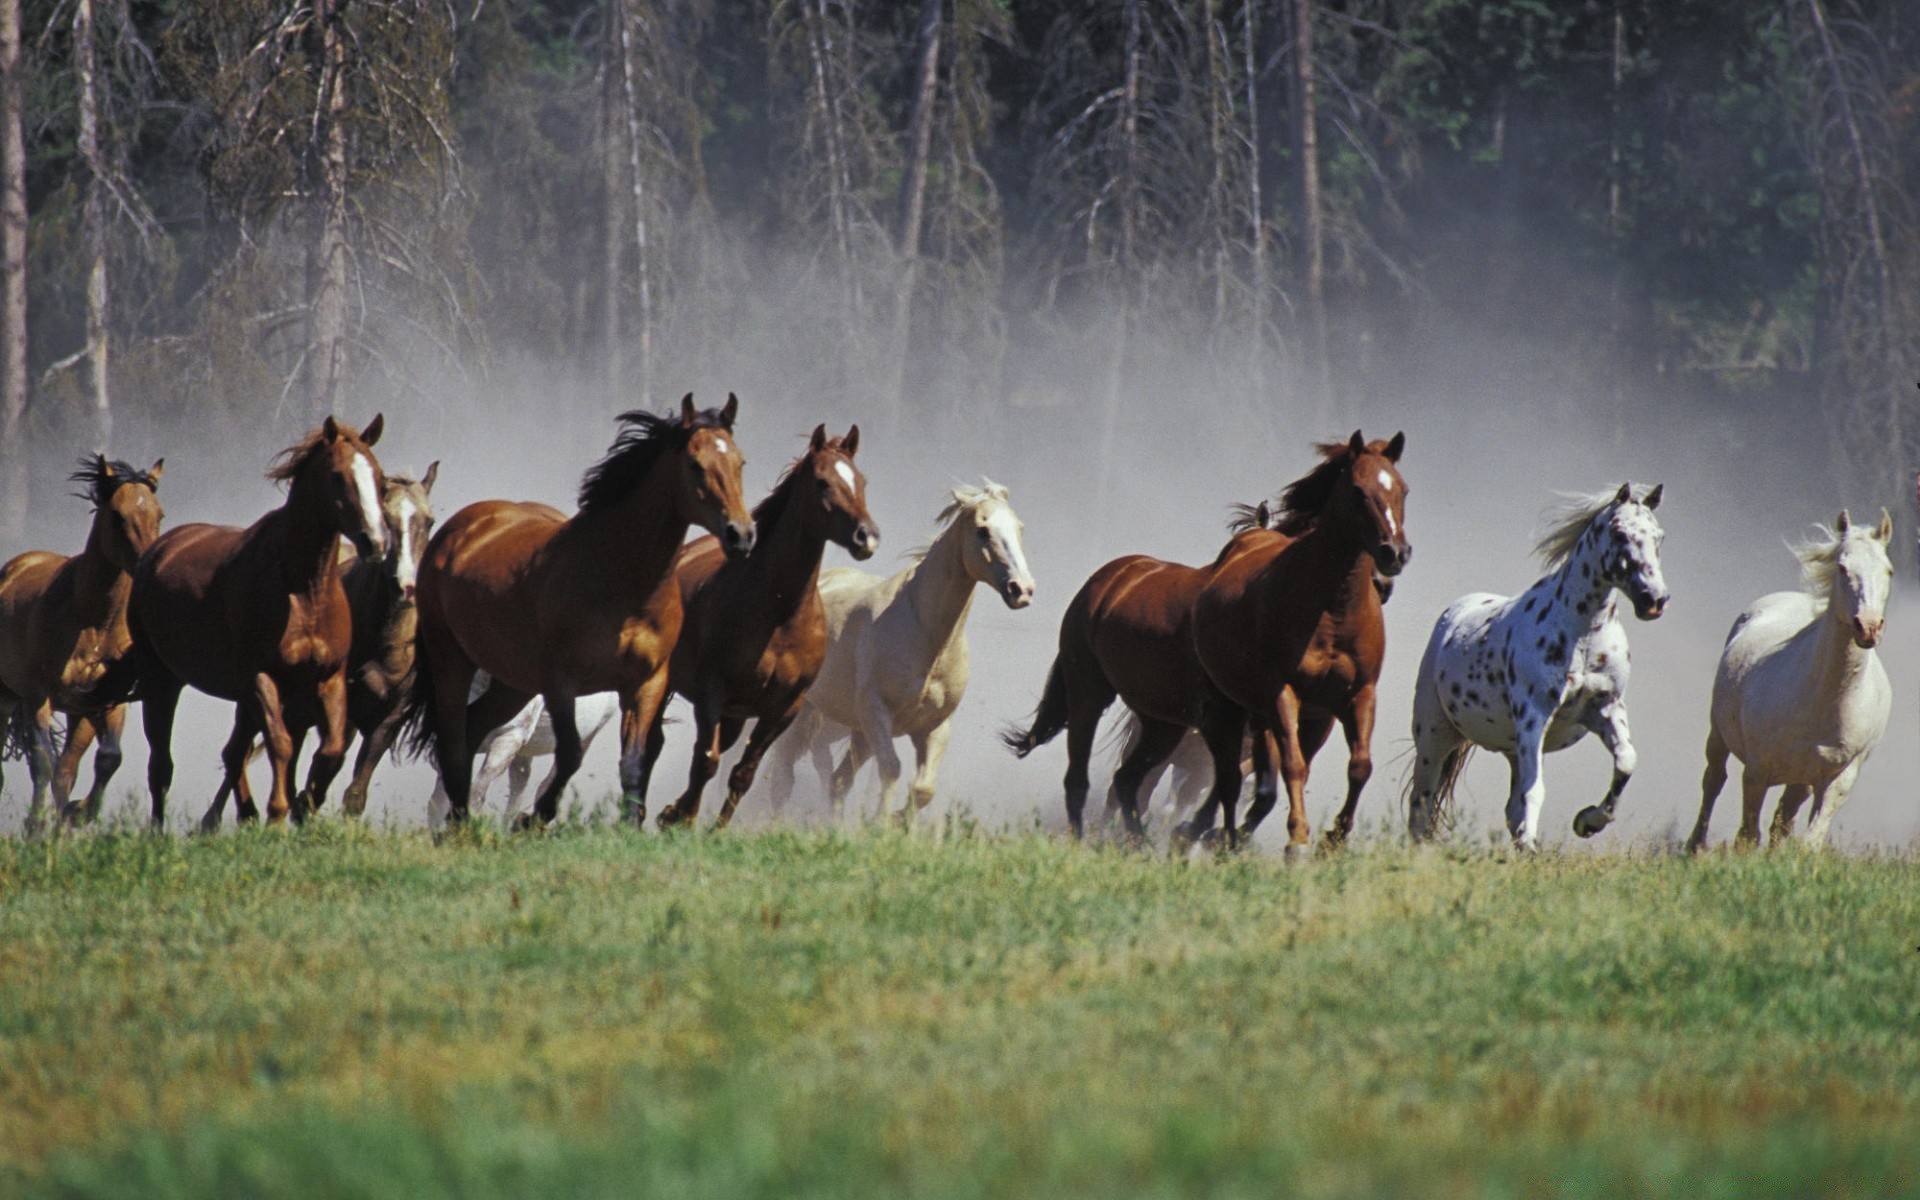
[102, 478]
[1569, 518]
[642, 441]
[1819, 555]
[769, 510]
[963, 497]
[288, 462]
[1242, 518]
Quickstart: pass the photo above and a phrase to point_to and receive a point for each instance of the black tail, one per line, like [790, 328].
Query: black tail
[415, 736]
[1048, 720]
[16, 736]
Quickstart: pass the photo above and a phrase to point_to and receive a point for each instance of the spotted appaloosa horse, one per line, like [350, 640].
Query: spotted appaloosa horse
[63, 626]
[1537, 672]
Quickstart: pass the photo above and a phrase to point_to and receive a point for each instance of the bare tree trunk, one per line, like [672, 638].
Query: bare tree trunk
[1306, 121]
[1256, 204]
[1219, 98]
[613, 97]
[913, 196]
[827, 113]
[1126, 200]
[327, 256]
[643, 265]
[13, 282]
[86, 63]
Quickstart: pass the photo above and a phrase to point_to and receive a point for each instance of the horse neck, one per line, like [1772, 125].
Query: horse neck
[1577, 594]
[100, 587]
[787, 566]
[939, 590]
[309, 544]
[1329, 565]
[633, 542]
[1838, 662]
[377, 605]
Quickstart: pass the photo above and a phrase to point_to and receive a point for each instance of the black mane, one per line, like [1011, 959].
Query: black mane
[1303, 500]
[644, 439]
[103, 477]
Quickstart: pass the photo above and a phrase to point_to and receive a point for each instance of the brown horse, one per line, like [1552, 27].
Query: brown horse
[63, 623]
[257, 616]
[1127, 633]
[1291, 636]
[562, 607]
[380, 674]
[755, 632]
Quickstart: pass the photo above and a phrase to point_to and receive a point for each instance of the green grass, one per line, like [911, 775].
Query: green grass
[338, 1012]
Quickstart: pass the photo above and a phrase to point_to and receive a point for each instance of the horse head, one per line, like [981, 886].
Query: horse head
[710, 492]
[334, 469]
[127, 514]
[992, 548]
[1862, 578]
[1630, 537]
[828, 471]
[1378, 500]
[408, 513]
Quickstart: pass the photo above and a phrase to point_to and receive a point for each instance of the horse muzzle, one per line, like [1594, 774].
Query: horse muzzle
[1649, 607]
[1390, 558]
[737, 538]
[865, 540]
[1018, 593]
[1866, 631]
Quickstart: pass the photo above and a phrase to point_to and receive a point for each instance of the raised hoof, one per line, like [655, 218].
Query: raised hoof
[1590, 820]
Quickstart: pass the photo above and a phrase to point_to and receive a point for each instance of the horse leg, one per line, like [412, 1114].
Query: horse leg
[1357, 724]
[501, 752]
[1088, 695]
[66, 769]
[1437, 746]
[1529, 790]
[452, 680]
[1710, 785]
[1791, 798]
[279, 742]
[707, 735]
[1293, 772]
[820, 750]
[374, 744]
[1158, 739]
[566, 756]
[1224, 726]
[654, 742]
[1610, 722]
[886, 758]
[766, 731]
[157, 708]
[233, 762]
[331, 753]
[1130, 739]
[43, 752]
[642, 733]
[1827, 802]
[1753, 794]
[786, 757]
[928, 749]
[840, 781]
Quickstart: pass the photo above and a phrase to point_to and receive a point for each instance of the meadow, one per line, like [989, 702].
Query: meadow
[340, 1011]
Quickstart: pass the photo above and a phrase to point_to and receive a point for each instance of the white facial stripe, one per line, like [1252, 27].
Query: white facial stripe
[845, 472]
[720, 444]
[1393, 527]
[405, 570]
[369, 495]
[1386, 480]
[1006, 538]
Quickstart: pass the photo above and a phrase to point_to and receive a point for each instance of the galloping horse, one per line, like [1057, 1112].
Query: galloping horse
[1290, 633]
[257, 616]
[1800, 697]
[380, 663]
[755, 633]
[63, 623]
[897, 658]
[561, 607]
[1532, 674]
[511, 748]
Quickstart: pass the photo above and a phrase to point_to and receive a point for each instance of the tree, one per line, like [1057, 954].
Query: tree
[13, 280]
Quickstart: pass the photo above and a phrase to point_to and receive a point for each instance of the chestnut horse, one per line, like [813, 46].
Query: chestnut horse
[380, 594]
[756, 632]
[560, 607]
[63, 623]
[257, 616]
[1292, 636]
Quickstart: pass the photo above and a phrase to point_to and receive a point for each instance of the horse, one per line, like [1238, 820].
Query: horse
[511, 749]
[257, 616]
[1291, 636]
[63, 625]
[380, 594]
[1535, 673]
[1800, 697]
[560, 607]
[755, 632]
[897, 659]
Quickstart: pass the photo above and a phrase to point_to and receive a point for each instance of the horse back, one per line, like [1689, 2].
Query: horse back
[28, 599]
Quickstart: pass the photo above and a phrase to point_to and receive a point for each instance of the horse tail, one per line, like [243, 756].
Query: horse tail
[1048, 719]
[1452, 767]
[415, 736]
[16, 736]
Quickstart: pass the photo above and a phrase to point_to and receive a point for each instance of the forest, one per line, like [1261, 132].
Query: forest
[243, 214]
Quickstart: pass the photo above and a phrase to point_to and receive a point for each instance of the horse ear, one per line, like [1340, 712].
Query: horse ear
[731, 411]
[1885, 531]
[330, 428]
[433, 472]
[1624, 494]
[1653, 497]
[105, 467]
[819, 437]
[1263, 514]
[155, 471]
[1396, 446]
[1357, 445]
[374, 429]
[686, 409]
[1842, 523]
[850, 444]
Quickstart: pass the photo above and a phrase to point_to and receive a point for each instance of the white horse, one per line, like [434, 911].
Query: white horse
[513, 747]
[1536, 673]
[897, 651]
[1800, 697]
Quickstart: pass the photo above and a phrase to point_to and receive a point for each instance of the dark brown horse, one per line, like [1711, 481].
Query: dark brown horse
[63, 624]
[1127, 633]
[562, 607]
[380, 674]
[755, 632]
[257, 616]
[1291, 636]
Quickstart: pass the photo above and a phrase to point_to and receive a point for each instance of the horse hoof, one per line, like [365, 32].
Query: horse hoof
[670, 817]
[1214, 840]
[524, 823]
[1297, 852]
[1589, 821]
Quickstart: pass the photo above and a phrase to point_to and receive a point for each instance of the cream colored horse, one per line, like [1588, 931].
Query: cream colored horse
[897, 652]
[1800, 697]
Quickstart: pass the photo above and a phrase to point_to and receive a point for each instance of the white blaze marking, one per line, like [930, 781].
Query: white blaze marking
[845, 472]
[369, 499]
[1392, 528]
[720, 444]
[1386, 479]
[406, 571]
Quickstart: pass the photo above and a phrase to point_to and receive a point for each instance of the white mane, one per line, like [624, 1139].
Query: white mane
[963, 498]
[1569, 518]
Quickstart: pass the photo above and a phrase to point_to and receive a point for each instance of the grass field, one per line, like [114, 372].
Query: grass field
[339, 1012]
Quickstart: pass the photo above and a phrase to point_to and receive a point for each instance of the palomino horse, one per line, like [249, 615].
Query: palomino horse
[63, 623]
[756, 633]
[1800, 697]
[1535, 673]
[380, 663]
[257, 616]
[897, 658]
[511, 749]
[1291, 635]
[561, 607]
